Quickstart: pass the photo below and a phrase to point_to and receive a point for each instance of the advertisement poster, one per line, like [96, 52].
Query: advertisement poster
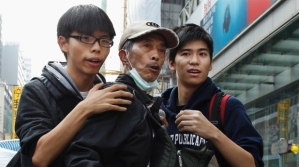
[283, 108]
[16, 94]
[224, 20]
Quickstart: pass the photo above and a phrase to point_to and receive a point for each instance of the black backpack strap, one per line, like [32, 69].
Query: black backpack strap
[64, 99]
[163, 153]
[157, 101]
[217, 109]
[155, 120]
[214, 111]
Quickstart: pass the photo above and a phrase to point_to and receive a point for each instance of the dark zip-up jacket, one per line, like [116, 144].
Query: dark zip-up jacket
[113, 139]
[237, 125]
[44, 103]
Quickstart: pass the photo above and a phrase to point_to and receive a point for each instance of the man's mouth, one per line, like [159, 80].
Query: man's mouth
[155, 67]
[193, 71]
[93, 61]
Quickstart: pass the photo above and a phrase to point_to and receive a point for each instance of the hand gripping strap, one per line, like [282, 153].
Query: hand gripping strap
[218, 104]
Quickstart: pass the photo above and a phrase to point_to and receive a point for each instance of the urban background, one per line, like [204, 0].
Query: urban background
[256, 59]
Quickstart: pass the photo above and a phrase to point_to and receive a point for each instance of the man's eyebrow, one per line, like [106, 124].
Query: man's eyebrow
[203, 49]
[187, 49]
[105, 36]
[151, 40]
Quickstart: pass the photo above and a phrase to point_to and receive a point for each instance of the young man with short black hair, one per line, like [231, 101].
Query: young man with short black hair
[54, 106]
[187, 105]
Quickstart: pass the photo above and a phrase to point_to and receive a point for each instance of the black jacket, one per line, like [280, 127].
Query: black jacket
[42, 106]
[114, 139]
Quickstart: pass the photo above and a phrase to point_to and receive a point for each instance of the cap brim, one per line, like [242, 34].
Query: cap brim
[169, 36]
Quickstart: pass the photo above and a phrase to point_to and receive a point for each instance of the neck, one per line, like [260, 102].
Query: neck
[126, 69]
[83, 82]
[184, 94]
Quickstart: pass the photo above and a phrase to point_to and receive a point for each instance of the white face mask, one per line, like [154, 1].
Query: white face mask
[140, 82]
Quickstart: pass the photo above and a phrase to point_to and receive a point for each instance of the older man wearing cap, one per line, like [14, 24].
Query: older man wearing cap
[125, 139]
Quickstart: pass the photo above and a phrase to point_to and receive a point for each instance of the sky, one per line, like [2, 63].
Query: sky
[33, 23]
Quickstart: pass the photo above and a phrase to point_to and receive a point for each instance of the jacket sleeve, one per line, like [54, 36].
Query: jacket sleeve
[32, 119]
[238, 127]
[112, 139]
[82, 151]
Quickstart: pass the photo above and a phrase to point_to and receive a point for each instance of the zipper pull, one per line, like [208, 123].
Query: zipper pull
[180, 158]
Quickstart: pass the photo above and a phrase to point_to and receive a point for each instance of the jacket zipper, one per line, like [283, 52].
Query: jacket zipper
[180, 158]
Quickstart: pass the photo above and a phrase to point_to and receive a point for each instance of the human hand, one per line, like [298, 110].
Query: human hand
[112, 98]
[164, 122]
[194, 121]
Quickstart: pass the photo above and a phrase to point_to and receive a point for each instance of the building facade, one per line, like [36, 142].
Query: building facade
[5, 98]
[28, 67]
[256, 59]
[170, 10]
[5, 111]
[13, 71]
[0, 45]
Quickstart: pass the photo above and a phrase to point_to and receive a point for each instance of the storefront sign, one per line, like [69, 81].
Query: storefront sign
[16, 94]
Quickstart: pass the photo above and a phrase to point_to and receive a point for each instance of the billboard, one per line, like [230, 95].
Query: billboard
[138, 10]
[224, 20]
[16, 94]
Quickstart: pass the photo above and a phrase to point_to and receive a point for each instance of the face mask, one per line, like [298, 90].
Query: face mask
[141, 83]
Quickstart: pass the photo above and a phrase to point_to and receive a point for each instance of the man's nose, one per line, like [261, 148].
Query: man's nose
[194, 59]
[96, 47]
[155, 55]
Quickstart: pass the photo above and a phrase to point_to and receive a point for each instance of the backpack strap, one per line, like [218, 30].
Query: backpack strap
[157, 101]
[65, 101]
[218, 104]
[163, 150]
[152, 112]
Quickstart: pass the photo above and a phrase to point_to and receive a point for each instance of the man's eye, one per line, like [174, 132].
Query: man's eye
[147, 45]
[86, 37]
[106, 41]
[203, 54]
[185, 54]
[162, 50]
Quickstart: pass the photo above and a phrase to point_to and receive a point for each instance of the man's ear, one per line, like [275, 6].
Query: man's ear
[171, 64]
[123, 57]
[211, 65]
[62, 44]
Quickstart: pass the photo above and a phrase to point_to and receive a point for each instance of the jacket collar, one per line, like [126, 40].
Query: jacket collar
[128, 80]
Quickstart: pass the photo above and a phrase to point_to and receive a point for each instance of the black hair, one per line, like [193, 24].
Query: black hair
[85, 19]
[190, 32]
